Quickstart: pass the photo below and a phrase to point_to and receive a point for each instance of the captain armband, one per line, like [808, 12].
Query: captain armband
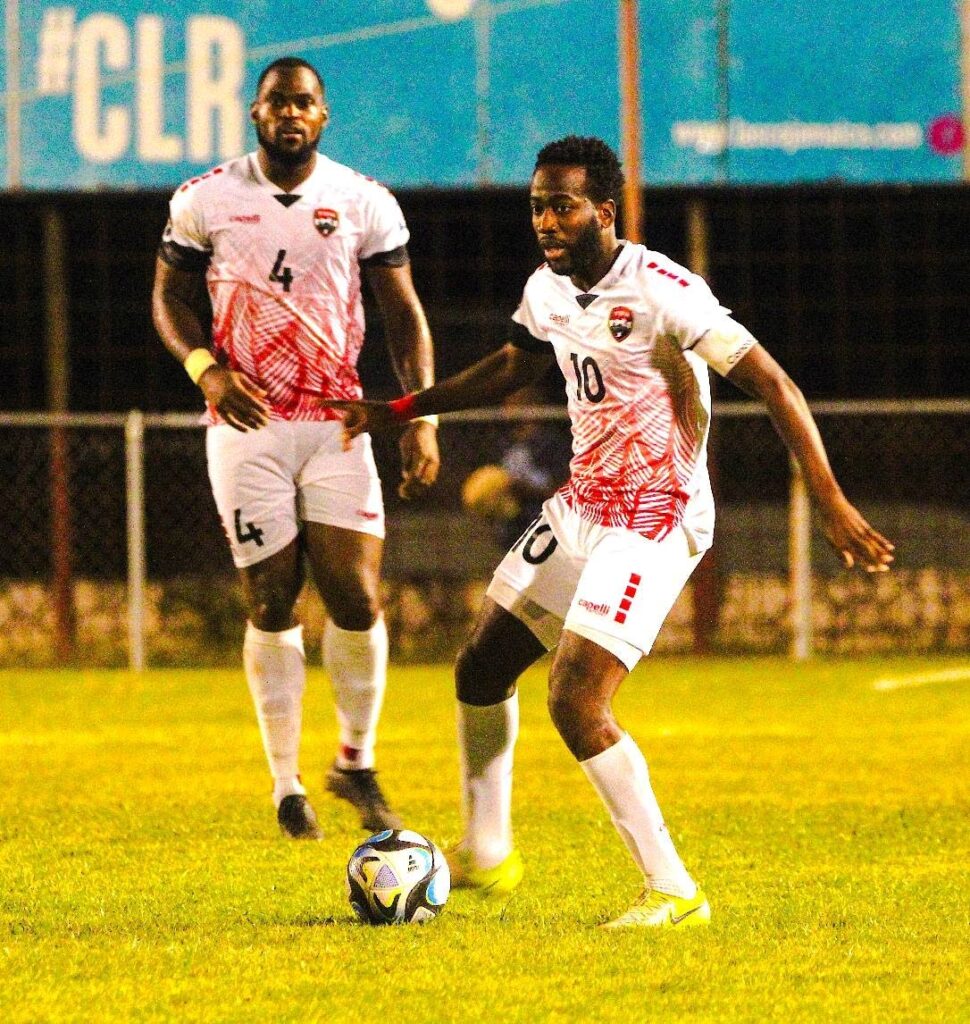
[724, 345]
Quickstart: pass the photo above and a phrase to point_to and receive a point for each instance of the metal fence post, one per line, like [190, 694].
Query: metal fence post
[135, 505]
[57, 335]
[800, 565]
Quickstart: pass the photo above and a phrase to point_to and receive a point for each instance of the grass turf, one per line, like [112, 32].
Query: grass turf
[142, 877]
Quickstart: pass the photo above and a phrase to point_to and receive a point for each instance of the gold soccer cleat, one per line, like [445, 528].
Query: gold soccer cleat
[654, 909]
[496, 881]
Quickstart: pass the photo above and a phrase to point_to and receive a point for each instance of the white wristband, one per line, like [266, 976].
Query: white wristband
[432, 418]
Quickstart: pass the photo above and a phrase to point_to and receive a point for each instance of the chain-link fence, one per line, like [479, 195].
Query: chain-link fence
[113, 552]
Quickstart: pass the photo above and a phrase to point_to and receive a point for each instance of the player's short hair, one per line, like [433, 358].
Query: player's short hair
[288, 64]
[604, 175]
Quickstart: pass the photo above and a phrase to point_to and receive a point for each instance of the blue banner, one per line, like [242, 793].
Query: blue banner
[128, 94]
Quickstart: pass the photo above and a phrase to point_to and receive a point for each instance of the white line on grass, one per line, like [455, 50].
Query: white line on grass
[944, 675]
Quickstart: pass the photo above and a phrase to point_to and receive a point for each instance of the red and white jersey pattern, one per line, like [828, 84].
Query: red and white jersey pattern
[639, 400]
[284, 277]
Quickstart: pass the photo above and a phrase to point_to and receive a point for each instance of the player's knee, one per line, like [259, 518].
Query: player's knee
[478, 680]
[580, 717]
[566, 712]
[585, 728]
[271, 608]
[354, 608]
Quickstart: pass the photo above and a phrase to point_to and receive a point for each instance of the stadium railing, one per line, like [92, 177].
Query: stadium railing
[113, 553]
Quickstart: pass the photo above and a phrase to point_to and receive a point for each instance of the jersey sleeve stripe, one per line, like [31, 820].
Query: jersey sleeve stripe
[397, 257]
[520, 337]
[183, 257]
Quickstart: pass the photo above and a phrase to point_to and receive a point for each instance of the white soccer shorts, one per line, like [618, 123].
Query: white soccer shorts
[608, 584]
[267, 482]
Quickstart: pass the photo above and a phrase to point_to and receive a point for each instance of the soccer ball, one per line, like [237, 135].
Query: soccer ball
[396, 877]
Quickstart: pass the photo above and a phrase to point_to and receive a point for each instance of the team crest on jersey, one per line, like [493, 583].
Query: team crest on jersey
[325, 220]
[620, 322]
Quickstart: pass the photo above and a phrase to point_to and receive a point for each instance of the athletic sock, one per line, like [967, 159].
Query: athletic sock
[357, 663]
[486, 743]
[276, 674]
[620, 776]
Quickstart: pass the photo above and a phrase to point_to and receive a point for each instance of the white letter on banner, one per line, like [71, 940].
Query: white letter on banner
[216, 74]
[97, 142]
[153, 143]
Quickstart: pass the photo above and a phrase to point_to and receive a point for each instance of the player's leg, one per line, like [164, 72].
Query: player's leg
[520, 620]
[346, 568]
[252, 482]
[584, 680]
[621, 601]
[341, 505]
[276, 674]
[498, 651]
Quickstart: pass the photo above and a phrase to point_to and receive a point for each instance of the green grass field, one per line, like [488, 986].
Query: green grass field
[142, 877]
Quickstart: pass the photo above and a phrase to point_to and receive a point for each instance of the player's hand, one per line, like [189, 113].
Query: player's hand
[855, 540]
[419, 459]
[362, 417]
[235, 397]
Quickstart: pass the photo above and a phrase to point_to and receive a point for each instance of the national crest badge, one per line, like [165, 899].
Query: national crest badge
[325, 220]
[620, 322]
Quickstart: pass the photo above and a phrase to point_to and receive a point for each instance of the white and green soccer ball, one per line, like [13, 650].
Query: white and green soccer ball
[397, 877]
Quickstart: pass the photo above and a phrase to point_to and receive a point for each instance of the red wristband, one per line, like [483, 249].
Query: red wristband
[402, 409]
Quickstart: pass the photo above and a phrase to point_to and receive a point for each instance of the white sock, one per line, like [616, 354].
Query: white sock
[276, 674]
[486, 744]
[621, 778]
[357, 663]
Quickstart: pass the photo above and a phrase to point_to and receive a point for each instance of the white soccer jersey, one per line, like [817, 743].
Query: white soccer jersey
[639, 399]
[283, 273]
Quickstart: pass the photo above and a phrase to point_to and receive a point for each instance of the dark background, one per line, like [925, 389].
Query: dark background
[860, 292]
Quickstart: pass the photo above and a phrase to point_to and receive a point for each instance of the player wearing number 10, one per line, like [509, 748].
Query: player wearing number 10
[258, 293]
[594, 577]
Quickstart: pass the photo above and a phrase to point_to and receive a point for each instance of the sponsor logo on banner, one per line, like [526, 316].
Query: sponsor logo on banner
[620, 322]
[325, 220]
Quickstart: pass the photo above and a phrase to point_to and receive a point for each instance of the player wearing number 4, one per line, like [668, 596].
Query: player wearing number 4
[258, 293]
[594, 577]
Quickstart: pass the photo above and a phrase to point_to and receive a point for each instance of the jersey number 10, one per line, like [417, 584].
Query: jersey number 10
[589, 379]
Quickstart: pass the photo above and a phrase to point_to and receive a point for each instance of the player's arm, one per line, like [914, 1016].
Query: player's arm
[486, 382]
[412, 355]
[182, 317]
[757, 374]
[406, 327]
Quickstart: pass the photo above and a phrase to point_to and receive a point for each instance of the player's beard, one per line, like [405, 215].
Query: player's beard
[286, 157]
[583, 254]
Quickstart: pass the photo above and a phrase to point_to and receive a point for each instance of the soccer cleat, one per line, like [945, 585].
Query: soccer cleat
[497, 881]
[654, 909]
[297, 818]
[358, 786]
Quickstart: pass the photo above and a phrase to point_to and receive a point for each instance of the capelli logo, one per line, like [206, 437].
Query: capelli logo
[742, 351]
[245, 218]
[596, 609]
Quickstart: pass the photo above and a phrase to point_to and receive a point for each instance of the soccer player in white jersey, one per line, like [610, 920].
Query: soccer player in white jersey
[596, 574]
[258, 293]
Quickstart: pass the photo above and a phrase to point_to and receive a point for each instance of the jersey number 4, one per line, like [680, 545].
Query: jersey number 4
[279, 273]
[253, 532]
